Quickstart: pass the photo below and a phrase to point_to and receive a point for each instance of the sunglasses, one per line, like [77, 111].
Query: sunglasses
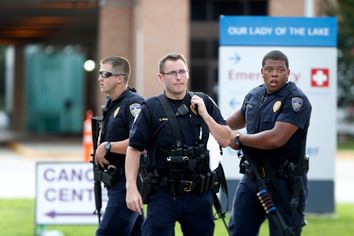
[107, 74]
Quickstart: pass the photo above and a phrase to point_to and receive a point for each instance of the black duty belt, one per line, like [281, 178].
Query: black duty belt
[201, 183]
[109, 176]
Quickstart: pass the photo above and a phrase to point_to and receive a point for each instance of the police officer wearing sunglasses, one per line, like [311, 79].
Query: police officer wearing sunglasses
[122, 107]
[174, 128]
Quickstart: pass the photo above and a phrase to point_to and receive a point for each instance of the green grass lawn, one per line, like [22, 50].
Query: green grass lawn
[346, 143]
[17, 219]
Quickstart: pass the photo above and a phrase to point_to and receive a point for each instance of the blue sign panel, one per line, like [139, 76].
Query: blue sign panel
[278, 31]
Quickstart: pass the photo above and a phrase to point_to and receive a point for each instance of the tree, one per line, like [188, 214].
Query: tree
[344, 11]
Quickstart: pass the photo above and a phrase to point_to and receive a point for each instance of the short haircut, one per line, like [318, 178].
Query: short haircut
[119, 65]
[276, 55]
[171, 57]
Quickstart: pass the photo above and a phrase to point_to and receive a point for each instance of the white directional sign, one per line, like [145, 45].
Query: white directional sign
[310, 44]
[64, 193]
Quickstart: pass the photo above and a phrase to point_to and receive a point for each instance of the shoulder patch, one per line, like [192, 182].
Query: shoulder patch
[297, 103]
[135, 109]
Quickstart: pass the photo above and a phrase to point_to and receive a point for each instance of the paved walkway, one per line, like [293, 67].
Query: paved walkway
[344, 177]
[18, 161]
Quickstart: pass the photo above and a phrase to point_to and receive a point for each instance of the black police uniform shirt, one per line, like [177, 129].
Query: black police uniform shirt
[151, 130]
[118, 118]
[262, 110]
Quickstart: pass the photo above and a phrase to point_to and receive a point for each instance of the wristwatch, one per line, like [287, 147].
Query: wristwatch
[237, 139]
[107, 146]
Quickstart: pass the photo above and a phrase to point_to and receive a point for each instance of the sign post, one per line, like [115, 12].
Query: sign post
[310, 44]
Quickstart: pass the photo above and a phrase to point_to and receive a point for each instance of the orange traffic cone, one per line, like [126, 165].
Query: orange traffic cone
[87, 137]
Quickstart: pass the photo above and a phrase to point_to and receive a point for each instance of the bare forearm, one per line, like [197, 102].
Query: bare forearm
[133, 198]
[120, 146]
[132, 163]
[270, 139]
[264, 140]
[221, 133]
[236, 120]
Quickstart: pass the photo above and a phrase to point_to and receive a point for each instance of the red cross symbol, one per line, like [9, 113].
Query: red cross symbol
[319, 77]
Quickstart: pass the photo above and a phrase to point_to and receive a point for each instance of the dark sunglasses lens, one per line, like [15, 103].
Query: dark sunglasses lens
[105, 74]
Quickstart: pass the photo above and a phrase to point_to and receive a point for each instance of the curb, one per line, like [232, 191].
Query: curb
[35, 153]
[345, 154]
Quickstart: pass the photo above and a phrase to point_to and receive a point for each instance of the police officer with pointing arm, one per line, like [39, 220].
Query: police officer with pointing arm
[173, 128]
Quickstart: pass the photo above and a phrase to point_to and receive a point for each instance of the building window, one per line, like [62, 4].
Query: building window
[210, 10]
[204, 42]
[198, 75]
[198, 49]
[198, 10]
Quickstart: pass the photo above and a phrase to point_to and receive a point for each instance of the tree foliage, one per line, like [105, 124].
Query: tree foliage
[344, 11]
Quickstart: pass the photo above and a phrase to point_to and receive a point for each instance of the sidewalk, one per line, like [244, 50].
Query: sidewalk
[18, 162]
[344, 176]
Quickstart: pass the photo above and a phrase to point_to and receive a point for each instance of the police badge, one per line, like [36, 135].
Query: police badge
[296, 102]
[276, 106]
[135, 109]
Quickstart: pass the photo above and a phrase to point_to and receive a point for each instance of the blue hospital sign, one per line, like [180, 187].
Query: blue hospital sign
[310, 44]
[278, 31]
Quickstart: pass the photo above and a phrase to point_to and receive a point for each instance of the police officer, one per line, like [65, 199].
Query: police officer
[122, 107]
[179, 164]
[276, 115]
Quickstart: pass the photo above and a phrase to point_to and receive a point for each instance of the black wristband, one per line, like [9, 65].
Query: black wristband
[107, 146]
[237, 140]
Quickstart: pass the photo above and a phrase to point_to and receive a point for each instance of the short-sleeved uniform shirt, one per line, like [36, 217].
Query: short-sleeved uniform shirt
[118, 118]
[151, 130]
[262, 111]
